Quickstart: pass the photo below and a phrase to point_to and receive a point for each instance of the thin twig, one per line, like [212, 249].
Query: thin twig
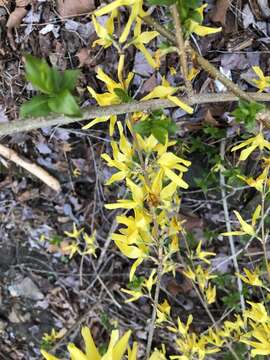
[92, 112]
[229, 228]
[181, 47]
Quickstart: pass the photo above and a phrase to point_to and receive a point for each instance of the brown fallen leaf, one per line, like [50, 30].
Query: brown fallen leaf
[220, 11]
[74, 8]
[83, 56]
[15, 18]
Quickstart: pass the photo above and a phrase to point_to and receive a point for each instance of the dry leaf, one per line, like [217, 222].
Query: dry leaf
[220, 11]
[83, 56]
[4, 2]
[74, 8]
[15, 18]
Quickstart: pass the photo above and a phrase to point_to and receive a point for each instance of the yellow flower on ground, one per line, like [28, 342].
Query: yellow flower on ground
[261, 334]
[251, 144]
[75, 234]
[108, 98]
[251, 278]
[166, 91]
[263, 82]
[135, 295]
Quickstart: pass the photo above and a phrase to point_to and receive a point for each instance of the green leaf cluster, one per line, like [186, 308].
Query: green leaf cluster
[246, 112]
[157, 124]
[56, 89]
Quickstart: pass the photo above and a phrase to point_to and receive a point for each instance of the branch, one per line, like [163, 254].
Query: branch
[92, 112]
[181, 48]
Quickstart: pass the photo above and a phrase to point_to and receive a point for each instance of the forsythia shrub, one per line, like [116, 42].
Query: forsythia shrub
[143, 158]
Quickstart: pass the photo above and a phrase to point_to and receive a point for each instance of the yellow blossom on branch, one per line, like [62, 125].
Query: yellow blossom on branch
[251, 278]
[263, 82]
[252, 144]
[166, 91]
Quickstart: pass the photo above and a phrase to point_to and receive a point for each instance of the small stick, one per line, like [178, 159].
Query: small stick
[34, 169]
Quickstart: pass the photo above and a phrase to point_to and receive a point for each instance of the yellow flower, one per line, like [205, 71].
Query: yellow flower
[251, 278]
[246, 229]
[136, 10]
[116, 349]
[148, 283]
[257, 183]
[105, 34]
[90, 246]
[203, 254]
[251, 144]
[210, 294]
[165, 91]
[263, 82]
[169, 162]
[122, 158]
[163, 312]
[107, 98]
[135, 295]
[262, 345]
[196, 28]
[257, 313]
[75, 234]
[141, 38]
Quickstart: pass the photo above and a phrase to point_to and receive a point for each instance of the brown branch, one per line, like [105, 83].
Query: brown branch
[92, 112]
[181, 47]
[205, 64]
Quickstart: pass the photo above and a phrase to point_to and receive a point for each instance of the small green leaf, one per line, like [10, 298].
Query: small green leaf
[39, 74]
[246, 112]
[64, 103]
[69, 79]
[143, 128]
[123, 95]
[160, 134]
[37, 106]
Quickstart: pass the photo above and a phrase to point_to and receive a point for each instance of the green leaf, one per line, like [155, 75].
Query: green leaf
[123, 95]
[143, 128]
[247, 112]
[69, 79]
[160, 134]
[37, 106]
[39, 73]
[64, 103]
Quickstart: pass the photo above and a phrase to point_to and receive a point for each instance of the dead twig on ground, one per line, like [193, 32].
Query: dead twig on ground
[34, 169]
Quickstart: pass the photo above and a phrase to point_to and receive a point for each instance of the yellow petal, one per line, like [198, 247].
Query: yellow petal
[48, 356]
[248, 229]
[134, 268]
[95, 121]
[176, 179]
[200, 30]
[90, 347]
[75, 353]
[121, 346]
[258, 71]
[181, 104]
[114, 5]
[132, 252]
